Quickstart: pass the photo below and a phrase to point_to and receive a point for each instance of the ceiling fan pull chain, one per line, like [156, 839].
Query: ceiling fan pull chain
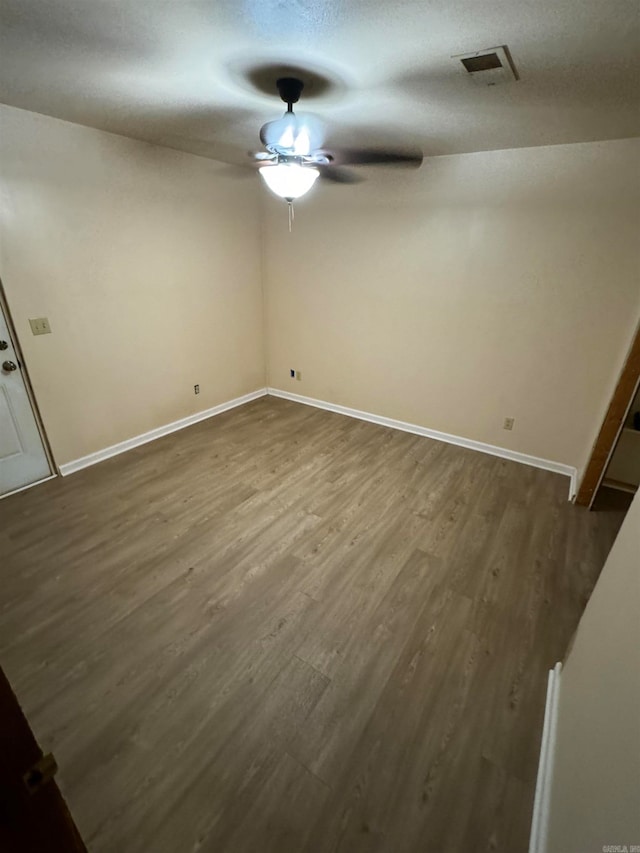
[291, 214]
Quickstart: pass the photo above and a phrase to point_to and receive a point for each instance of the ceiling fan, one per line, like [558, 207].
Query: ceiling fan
[294, 156]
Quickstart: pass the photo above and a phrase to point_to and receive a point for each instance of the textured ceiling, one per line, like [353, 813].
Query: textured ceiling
[174, 72]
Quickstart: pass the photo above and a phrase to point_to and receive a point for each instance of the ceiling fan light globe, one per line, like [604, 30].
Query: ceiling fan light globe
[289, 180]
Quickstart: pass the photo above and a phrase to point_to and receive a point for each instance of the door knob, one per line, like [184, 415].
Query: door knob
[9, 366]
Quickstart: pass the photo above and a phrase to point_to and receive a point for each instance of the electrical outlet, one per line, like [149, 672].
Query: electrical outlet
[298, 375]
[196, 389]
[292, 373]
[40, 326]
[508, 423]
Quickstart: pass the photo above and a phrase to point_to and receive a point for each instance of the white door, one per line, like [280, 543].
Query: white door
[22, 457]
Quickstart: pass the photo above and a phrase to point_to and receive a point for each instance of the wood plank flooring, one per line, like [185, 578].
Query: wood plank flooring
[286, 631]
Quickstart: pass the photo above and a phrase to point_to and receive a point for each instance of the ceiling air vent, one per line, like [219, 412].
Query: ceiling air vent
[489, 67]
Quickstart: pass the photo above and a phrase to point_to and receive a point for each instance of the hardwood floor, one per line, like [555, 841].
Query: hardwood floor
[286, 630]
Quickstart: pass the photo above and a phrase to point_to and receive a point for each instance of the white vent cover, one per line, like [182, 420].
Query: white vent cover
[490, 67]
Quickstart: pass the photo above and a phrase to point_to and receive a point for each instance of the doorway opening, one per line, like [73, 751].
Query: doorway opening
[618, 419]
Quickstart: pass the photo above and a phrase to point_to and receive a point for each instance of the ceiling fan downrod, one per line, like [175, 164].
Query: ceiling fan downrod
[290, 89]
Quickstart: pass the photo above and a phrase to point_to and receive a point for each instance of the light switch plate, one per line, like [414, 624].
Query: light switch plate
[40, 326]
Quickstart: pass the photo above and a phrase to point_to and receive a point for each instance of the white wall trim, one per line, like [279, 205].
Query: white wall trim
[503, 452]
[540, 820]
[513, 455]
[573, 484]
[136, 441]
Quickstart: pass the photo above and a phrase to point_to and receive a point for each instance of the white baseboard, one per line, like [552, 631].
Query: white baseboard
[503, 452]
[136, 441]
[540, 820]
[573, 484]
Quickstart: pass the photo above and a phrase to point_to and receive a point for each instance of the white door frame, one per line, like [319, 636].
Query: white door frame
[54, 470]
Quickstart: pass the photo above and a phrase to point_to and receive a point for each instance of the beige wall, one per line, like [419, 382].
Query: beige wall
[146, 262]
[596, 781]
[483, 286]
